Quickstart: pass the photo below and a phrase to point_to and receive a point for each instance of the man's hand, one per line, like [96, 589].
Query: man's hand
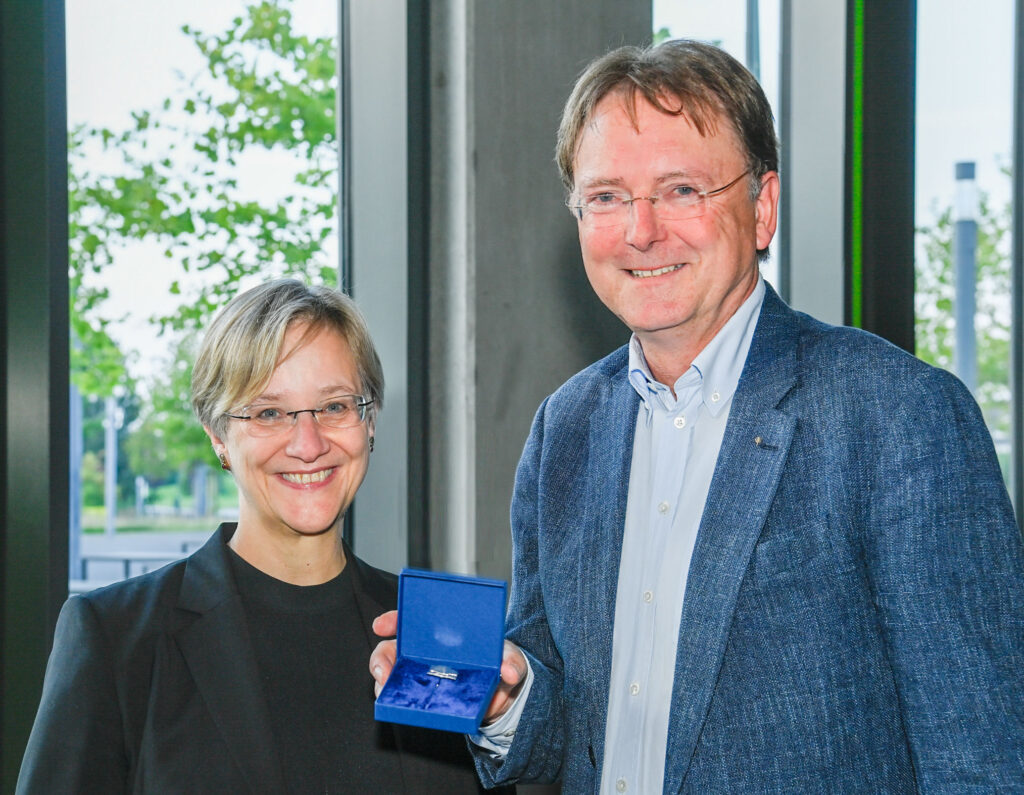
[513, 674]
[513, 666]
[382, 660]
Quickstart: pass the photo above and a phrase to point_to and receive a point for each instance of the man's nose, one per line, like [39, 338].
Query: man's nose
[644, 227]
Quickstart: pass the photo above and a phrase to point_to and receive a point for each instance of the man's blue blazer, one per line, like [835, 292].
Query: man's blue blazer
[854, 613]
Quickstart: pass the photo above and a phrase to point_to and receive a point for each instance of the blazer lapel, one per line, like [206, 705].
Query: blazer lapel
[750, 463]
[219, 655]
[610, 441]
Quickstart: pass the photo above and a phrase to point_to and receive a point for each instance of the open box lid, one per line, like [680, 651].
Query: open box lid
[450, 618]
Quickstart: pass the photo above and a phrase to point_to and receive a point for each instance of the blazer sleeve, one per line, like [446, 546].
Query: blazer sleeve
[536, 752]
[947, 571]
[77, 740]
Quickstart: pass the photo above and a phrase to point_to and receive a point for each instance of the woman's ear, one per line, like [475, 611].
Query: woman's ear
[219, 448]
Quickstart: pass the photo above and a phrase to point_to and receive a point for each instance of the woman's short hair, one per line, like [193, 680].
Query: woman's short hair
[243, 345]
[678, 77]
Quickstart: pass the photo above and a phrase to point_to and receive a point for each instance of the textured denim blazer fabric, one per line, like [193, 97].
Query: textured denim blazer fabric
[854, 616]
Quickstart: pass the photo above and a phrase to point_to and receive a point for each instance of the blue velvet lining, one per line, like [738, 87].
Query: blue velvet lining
[411, 687]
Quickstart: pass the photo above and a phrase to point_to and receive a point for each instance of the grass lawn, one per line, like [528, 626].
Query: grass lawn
[94, 521]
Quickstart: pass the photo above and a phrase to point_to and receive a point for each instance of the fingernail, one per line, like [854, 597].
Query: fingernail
[377, 671]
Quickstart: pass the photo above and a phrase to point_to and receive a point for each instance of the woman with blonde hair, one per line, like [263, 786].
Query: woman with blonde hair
[242, 667]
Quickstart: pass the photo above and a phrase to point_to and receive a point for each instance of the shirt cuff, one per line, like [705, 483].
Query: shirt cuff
[497, 737]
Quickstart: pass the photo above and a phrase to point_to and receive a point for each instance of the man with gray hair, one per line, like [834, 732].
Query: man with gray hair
[752, 552]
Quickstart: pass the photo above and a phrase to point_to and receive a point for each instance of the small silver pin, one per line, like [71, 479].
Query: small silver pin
[443, 672]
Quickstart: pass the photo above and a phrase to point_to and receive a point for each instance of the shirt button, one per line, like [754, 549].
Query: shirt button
[715, 397]
[634, 689]
[620, 785]
[662, 507]
[648, 596]
[679, 422]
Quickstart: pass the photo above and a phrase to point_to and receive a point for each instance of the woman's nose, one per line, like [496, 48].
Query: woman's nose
[306, 438]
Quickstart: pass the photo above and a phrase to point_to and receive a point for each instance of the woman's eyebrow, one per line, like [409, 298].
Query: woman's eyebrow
[325, 391]
[266, 397]
[337, 389]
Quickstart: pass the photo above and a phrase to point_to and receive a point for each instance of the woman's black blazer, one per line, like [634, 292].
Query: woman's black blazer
[152, 687]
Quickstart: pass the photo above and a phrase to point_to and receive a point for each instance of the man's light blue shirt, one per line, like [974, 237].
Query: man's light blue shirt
[675, 448]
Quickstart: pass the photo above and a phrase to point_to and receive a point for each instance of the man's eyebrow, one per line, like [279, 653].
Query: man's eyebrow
[602, 182]
[618, 182]
[680, 174]
[686, 176]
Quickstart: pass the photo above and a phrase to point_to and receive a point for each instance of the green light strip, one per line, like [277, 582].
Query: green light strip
[857, 170]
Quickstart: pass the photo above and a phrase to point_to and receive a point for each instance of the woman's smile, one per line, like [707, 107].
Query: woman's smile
[307, 478]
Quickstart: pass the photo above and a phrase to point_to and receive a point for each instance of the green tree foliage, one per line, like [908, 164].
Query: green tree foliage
[179, 177]
[934, 306]
[97, 364]
[168, 440]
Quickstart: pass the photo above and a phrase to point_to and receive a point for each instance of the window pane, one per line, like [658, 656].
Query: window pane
[963, 220]
[203, 159]
[725, 24]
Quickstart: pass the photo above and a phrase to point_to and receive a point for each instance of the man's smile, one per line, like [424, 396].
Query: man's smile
[656, 271]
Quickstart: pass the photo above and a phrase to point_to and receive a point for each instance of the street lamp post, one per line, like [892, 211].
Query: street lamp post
[965, 244]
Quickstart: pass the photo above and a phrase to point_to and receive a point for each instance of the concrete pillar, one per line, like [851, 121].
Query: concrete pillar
[812, 128]
[511, 312]
[498, 288]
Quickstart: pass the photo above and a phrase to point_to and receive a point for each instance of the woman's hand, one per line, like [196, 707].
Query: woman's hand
[513, 666]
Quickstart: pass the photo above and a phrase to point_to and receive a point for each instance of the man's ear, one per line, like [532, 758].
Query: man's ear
[766, 208]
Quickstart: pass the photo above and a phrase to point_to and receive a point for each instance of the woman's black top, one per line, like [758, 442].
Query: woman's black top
[311, 652]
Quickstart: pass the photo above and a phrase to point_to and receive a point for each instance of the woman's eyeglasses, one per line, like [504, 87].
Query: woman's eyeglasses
[343, 411]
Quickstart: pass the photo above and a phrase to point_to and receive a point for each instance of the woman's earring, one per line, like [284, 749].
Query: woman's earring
[371, 444]
[224, 462]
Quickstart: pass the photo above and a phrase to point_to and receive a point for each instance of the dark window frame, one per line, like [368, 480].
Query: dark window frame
[33, 359]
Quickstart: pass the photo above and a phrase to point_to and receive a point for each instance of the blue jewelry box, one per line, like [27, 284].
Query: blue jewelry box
[451, 631]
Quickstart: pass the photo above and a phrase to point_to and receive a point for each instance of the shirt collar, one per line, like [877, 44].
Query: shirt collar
[718, 365]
